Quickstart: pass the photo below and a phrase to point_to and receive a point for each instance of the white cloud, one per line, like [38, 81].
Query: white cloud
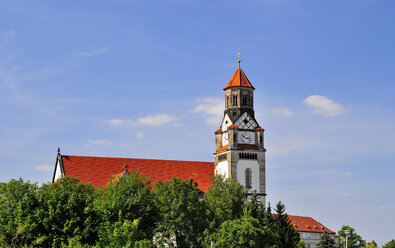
[348, 174]
[117, 122]
[149, 120]
[283, 111]
[92, 52]
[322, 105]
[157, 120]
[212, 108]
[44, 167]
[100, 142]
[139, 135]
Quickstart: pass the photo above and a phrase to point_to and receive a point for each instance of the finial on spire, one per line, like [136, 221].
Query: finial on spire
[58, 150]
[126, 172]
[238, 55]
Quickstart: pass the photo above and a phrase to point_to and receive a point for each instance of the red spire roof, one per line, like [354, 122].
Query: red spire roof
[239, 79]
[218, 131]
[233, 126]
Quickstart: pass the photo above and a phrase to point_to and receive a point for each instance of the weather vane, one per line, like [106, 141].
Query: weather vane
[238, 55]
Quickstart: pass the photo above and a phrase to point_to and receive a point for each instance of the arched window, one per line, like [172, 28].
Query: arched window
[248, 177]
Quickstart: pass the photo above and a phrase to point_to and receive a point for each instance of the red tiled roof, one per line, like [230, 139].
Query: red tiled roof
[218, 131]
[259, 128]
[308, 224]
[222, 148]
[239, 79]
[247, 146]
[97, 170]
[233, 126]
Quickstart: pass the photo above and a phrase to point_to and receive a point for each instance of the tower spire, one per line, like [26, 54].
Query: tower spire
[238, 55]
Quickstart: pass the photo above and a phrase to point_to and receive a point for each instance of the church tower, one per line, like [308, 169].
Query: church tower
[239, 148]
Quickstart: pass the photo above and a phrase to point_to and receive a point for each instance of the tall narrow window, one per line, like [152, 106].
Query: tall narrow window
[248, 175]
[234, 100]
[261, 140]
[227, 101]
[245, 100]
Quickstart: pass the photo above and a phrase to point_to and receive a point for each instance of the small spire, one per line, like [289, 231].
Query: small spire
[238, 55]
[58, 150]
[126, 172]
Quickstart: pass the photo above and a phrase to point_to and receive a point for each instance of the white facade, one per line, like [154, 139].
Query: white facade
[58, 172]
[253, 165]
[222, 168]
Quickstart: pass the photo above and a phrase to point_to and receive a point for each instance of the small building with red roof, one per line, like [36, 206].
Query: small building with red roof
[310, 230]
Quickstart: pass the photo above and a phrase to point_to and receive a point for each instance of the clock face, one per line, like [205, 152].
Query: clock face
[225, 139]
[245, 138]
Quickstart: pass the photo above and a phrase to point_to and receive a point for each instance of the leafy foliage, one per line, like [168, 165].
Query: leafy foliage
[326, 241]
[182, 213]
[126, 205]
[129, 212]
[372, 244]
[286, 235]
[244, 232]
[390, 244]
[354, 240]
[301, 244]
[16, 200]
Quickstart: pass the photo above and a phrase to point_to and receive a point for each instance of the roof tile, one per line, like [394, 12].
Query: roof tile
[308, 224]
[98, 170]
[239, 79]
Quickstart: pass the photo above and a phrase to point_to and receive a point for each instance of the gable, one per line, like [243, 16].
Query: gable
[59, 171]
[245, 121]
[226, 122]
[97, 170]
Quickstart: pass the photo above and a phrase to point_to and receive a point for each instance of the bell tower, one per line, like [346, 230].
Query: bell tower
[239, 142]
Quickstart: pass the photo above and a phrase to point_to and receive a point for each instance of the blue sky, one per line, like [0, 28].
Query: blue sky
[144, 79]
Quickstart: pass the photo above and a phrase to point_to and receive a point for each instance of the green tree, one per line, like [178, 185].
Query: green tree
[286, 235]
[65, 210]
[326, 241]
[354, 240]
[122, 204]
[244, 232]
[225, 200]
[51, 214]
[372, 244]
[182, 213]
[125, 234]
[16, 197]
[266, 220]
[301, 244]
[390, 244]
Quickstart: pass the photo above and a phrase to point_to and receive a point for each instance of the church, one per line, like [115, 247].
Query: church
[239, 154]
